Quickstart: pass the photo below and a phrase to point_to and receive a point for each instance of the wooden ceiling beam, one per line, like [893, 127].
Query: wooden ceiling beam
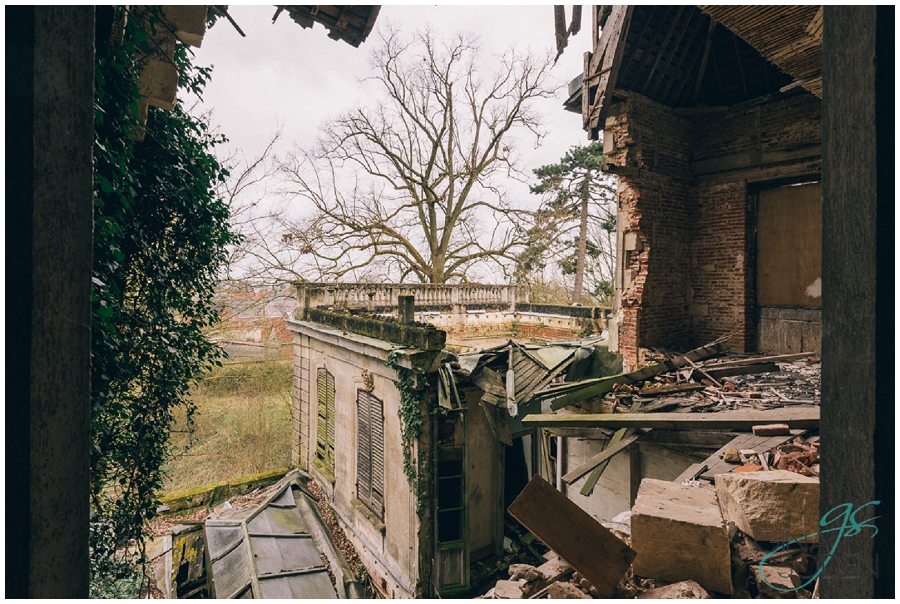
[670, 55]
[737, 53]
[662, 48]
[640, 39]
[719, 78]
[709, 37]
[684, 74]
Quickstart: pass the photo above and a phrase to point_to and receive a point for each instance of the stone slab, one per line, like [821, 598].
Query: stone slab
[683, 590]
[566, 591]
[770, 506]
[679, 534]
[507, 590]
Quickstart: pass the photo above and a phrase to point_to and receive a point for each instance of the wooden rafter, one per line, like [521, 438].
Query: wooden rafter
[683, 74]
[662, 49]
[640, 40]
[670, 55]
[740, 63]
[604, 67]
[718, 77]
[709, 38]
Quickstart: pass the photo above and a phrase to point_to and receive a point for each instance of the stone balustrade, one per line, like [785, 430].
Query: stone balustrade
[378, 297]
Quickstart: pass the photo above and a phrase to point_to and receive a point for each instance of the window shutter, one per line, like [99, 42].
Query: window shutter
[364, 448]
[329, 424]
[321, 398]
[376, 409]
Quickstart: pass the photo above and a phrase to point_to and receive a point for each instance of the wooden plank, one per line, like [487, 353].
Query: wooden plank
[611, 450]
[588, 486]
[491, 382]
[589, 388]
[591, 549]
[709, 38]
[670, 389]
[621, 24]
[740, 370]
[699, 438]
[747, 160]
[797, 417]
[752, 360]
[659, 405]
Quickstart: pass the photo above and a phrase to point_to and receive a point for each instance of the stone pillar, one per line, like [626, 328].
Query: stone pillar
[302, 301]
[49, 134]
[406, 308]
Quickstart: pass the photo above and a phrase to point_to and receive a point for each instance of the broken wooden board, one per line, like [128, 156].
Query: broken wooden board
[697, 439]
[754, 360]
[498, 425]
[596, 460]
[717, 374]
[670, 389]
[492, 383]
[591, 549]
[805, 418]
[716, 465]
[588, 486]
[597, 387]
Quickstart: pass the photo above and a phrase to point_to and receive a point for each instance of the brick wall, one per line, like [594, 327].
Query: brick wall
[721, 268]
[653, 145]
[782, 125]
[689, 269]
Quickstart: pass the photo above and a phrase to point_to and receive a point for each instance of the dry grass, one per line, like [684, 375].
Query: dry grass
[243, 426]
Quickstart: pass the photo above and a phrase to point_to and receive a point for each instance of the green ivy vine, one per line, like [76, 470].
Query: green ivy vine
[160, 237]
[411, 421]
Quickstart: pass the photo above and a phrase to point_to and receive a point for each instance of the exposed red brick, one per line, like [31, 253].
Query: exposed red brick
[692, 281]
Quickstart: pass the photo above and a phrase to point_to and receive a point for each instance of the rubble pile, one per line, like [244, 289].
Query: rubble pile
[742, 523]
[750, 535]
[707, 386]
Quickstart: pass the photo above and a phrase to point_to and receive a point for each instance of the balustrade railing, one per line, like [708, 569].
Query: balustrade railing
[383, 297]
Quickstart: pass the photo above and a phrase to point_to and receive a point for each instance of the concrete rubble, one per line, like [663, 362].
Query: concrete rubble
[739, 535]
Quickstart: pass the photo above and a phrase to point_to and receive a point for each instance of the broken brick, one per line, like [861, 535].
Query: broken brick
[748, 468]
[771, 430]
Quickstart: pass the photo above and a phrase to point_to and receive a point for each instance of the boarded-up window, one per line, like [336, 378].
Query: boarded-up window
[325, 424]
[789, 243]
[370, 451]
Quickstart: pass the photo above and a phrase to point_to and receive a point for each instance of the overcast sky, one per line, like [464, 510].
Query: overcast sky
[283, 73]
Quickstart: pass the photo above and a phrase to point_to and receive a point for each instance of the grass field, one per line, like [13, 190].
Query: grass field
[243, 425]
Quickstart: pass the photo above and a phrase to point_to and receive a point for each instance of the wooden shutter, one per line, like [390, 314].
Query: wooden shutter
[325, 423]
[376, 411]
[364, 448]
[370, 452]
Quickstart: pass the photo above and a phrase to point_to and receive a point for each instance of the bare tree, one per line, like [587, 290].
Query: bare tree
[260, 258]
[412, 186]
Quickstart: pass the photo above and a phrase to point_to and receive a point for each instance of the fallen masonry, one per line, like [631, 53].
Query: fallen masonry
[679, 534]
